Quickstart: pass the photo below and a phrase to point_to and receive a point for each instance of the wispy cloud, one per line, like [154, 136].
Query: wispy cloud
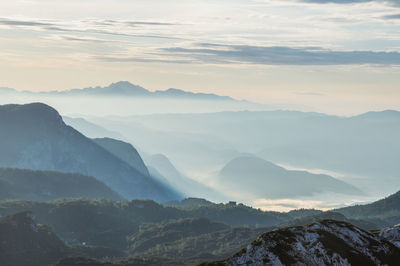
[8, 22]
[392, 16]
[127, 59]
[277, 55]
[105, 27]
[393, 2]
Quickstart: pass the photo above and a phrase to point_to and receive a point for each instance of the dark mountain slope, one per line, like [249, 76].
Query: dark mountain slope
[23, 242]
[189, 203]
[125, 152]
[265, 179]
[91, 130]
[149, 236]
[80, 261]
[47, 185]
[190, 240]
[385, 212]
[107, 223]
[34, 136]
[95, 222]
[326, 242]
[329, 215]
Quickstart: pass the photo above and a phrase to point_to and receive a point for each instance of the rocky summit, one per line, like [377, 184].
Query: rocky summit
[327, 242]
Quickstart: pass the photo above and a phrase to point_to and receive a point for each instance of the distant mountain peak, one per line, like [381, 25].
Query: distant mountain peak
[265, 179]
[118, 88]
[122, 84]
[126, 89]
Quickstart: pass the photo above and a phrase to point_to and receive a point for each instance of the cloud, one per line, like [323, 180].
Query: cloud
[393, 16]
[391, 2]
[279, 55]
[336, 1]
[7, 22]
[122, 59]
[105, 27]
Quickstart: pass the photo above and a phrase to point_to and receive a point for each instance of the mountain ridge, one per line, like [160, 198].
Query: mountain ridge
[47, 185]
[127, 89]
[34, 136]
[326, 242]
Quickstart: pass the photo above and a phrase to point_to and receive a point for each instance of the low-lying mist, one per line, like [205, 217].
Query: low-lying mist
[355, 157]
[127, 106]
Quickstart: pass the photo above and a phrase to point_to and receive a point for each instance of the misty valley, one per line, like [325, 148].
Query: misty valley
[90, 177]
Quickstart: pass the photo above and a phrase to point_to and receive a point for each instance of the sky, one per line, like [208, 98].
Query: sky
[334, 56]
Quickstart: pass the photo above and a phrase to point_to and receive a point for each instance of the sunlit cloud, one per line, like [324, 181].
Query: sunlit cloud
[257, 43]
[393, 2]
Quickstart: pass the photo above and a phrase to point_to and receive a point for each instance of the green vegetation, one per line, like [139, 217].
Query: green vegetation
[189, 203]
[108, 223]
[190, 240]
[24, 242]
[364, 224]
[384, 212]
[196, 231]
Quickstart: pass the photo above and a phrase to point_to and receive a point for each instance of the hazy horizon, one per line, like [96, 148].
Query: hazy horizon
[199, 132]
[263, 106]
[327, 56]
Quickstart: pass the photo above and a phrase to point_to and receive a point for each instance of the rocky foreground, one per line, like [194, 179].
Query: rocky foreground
[326, 242]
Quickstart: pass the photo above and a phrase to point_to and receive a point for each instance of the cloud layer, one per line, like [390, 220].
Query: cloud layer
[276, 55]
[395, 2]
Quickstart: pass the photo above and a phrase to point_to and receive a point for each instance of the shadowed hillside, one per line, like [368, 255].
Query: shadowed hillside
[34, 136]
[47, 185]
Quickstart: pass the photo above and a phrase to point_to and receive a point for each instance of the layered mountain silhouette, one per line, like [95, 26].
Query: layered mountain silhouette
[165, 170]
[91, 130]
[125, 152]
[327, 242]
[49, 185]
[265, 179]
[34, 136]
[127, 89]
[365, 145]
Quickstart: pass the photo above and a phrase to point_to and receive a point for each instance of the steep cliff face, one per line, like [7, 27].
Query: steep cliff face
[327, 242]
[34, 136]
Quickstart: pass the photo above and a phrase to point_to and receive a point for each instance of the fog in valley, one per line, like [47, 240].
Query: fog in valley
[199, 133]
[222, 149]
